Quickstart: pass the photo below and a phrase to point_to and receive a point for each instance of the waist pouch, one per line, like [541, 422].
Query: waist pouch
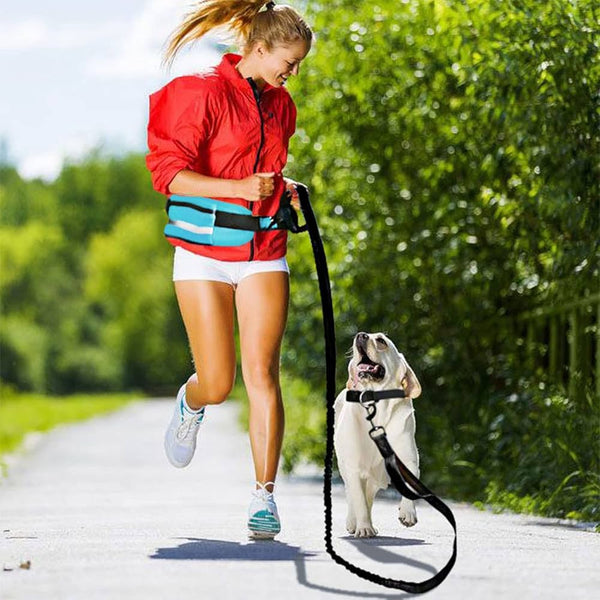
[209, 222]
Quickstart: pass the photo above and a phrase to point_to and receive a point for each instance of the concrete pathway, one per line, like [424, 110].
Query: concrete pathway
[100, 514]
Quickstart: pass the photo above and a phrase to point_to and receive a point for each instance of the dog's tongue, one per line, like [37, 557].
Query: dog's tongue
[365, 367]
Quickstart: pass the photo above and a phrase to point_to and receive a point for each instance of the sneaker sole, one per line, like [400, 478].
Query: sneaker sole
[264, 526]
[257, 535]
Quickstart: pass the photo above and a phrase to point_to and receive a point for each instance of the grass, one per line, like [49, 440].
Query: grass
[21, 414]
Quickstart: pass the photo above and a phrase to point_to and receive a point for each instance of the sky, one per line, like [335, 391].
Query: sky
[76, 75]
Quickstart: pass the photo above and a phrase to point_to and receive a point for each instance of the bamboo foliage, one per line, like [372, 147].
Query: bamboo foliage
[563, 342]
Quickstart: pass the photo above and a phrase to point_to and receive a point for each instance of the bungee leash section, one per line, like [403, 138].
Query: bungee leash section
[206, 221]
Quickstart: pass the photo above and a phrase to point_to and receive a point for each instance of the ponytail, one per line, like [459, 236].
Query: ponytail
[276, 24]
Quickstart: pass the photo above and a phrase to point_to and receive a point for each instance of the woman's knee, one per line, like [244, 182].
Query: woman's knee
[261, 376]
[213, 389]
[217, 390]
[215, 395]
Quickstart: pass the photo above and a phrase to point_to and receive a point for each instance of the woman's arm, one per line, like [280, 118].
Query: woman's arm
[254, 188]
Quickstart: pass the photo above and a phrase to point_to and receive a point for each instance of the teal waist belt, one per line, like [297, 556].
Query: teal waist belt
[210, 222]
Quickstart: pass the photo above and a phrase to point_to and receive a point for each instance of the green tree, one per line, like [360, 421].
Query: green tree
[429, 134]
[21, 201]
[33, 283]
[128, 283]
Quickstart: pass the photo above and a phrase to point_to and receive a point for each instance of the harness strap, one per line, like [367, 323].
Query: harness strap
[400, 475]
[373, 396]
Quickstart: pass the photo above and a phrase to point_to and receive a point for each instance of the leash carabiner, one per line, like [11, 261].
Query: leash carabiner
[371, 407]
[368, 402]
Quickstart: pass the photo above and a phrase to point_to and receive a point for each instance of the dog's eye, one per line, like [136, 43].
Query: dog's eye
[381, 342]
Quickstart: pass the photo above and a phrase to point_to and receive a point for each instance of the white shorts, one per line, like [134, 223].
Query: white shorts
[190, 266]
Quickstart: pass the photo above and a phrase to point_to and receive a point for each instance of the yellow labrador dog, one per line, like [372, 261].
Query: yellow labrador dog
[376, 364]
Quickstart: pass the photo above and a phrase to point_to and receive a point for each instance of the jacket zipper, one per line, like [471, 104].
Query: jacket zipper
[256, 94]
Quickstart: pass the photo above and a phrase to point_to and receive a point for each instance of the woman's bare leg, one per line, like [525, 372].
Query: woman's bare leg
[207, 309]
[262, 305]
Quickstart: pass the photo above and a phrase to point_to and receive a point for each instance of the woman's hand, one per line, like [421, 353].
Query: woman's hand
[290, 186]
[255, 188]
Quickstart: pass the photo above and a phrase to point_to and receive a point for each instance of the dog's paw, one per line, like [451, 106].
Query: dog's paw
[350, 525]
[407, 514]
[365, 531]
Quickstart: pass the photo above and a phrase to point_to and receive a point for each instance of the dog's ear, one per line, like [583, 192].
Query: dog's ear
[351, 376]
[410, 384]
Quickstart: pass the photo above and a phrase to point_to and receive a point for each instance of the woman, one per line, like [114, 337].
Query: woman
[224, 135]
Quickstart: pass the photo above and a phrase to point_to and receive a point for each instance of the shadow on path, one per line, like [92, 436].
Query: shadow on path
[202, 549]
[374, 549]
[303, 580]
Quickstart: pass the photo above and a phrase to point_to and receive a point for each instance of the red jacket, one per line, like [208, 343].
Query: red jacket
[213, 124]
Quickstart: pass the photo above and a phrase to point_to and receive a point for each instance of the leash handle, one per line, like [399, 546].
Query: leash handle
[286, 217]
[393, 463]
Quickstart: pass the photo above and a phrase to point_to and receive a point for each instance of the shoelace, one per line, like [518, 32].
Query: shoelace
[189, 422]
[262, 493]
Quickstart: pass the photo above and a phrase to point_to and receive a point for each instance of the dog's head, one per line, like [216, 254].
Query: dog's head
[376, 364]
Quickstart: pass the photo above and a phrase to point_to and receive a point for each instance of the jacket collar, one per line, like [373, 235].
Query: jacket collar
[227, 69]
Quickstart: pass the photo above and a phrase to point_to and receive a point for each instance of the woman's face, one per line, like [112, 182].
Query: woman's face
[277, 64]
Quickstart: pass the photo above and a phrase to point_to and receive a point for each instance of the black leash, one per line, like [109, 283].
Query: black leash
[400, 475]
[207, 221]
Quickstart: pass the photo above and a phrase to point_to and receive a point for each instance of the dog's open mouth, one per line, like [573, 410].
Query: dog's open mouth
[367, 368]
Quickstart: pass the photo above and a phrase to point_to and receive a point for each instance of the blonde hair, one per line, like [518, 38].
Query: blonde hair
[246, 19]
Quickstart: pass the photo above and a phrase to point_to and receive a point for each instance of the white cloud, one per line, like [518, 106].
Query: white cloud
[26, 35]
[140, 52]
[48, 164]
[35, 34]
[45, 166]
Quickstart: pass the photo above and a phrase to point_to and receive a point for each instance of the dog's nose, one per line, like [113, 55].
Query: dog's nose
[360, 340]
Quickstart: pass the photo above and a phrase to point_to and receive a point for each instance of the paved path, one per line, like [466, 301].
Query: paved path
[100, 514]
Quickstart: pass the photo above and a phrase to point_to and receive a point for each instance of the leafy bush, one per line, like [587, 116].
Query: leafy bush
[540, 454]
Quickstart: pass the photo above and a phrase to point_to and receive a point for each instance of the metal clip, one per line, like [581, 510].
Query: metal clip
[366, 396]
[373, 431]
[369, 405]
[367, 401]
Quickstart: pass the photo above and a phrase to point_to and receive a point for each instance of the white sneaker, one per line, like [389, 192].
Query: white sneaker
[263, 518]
[180, 438]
